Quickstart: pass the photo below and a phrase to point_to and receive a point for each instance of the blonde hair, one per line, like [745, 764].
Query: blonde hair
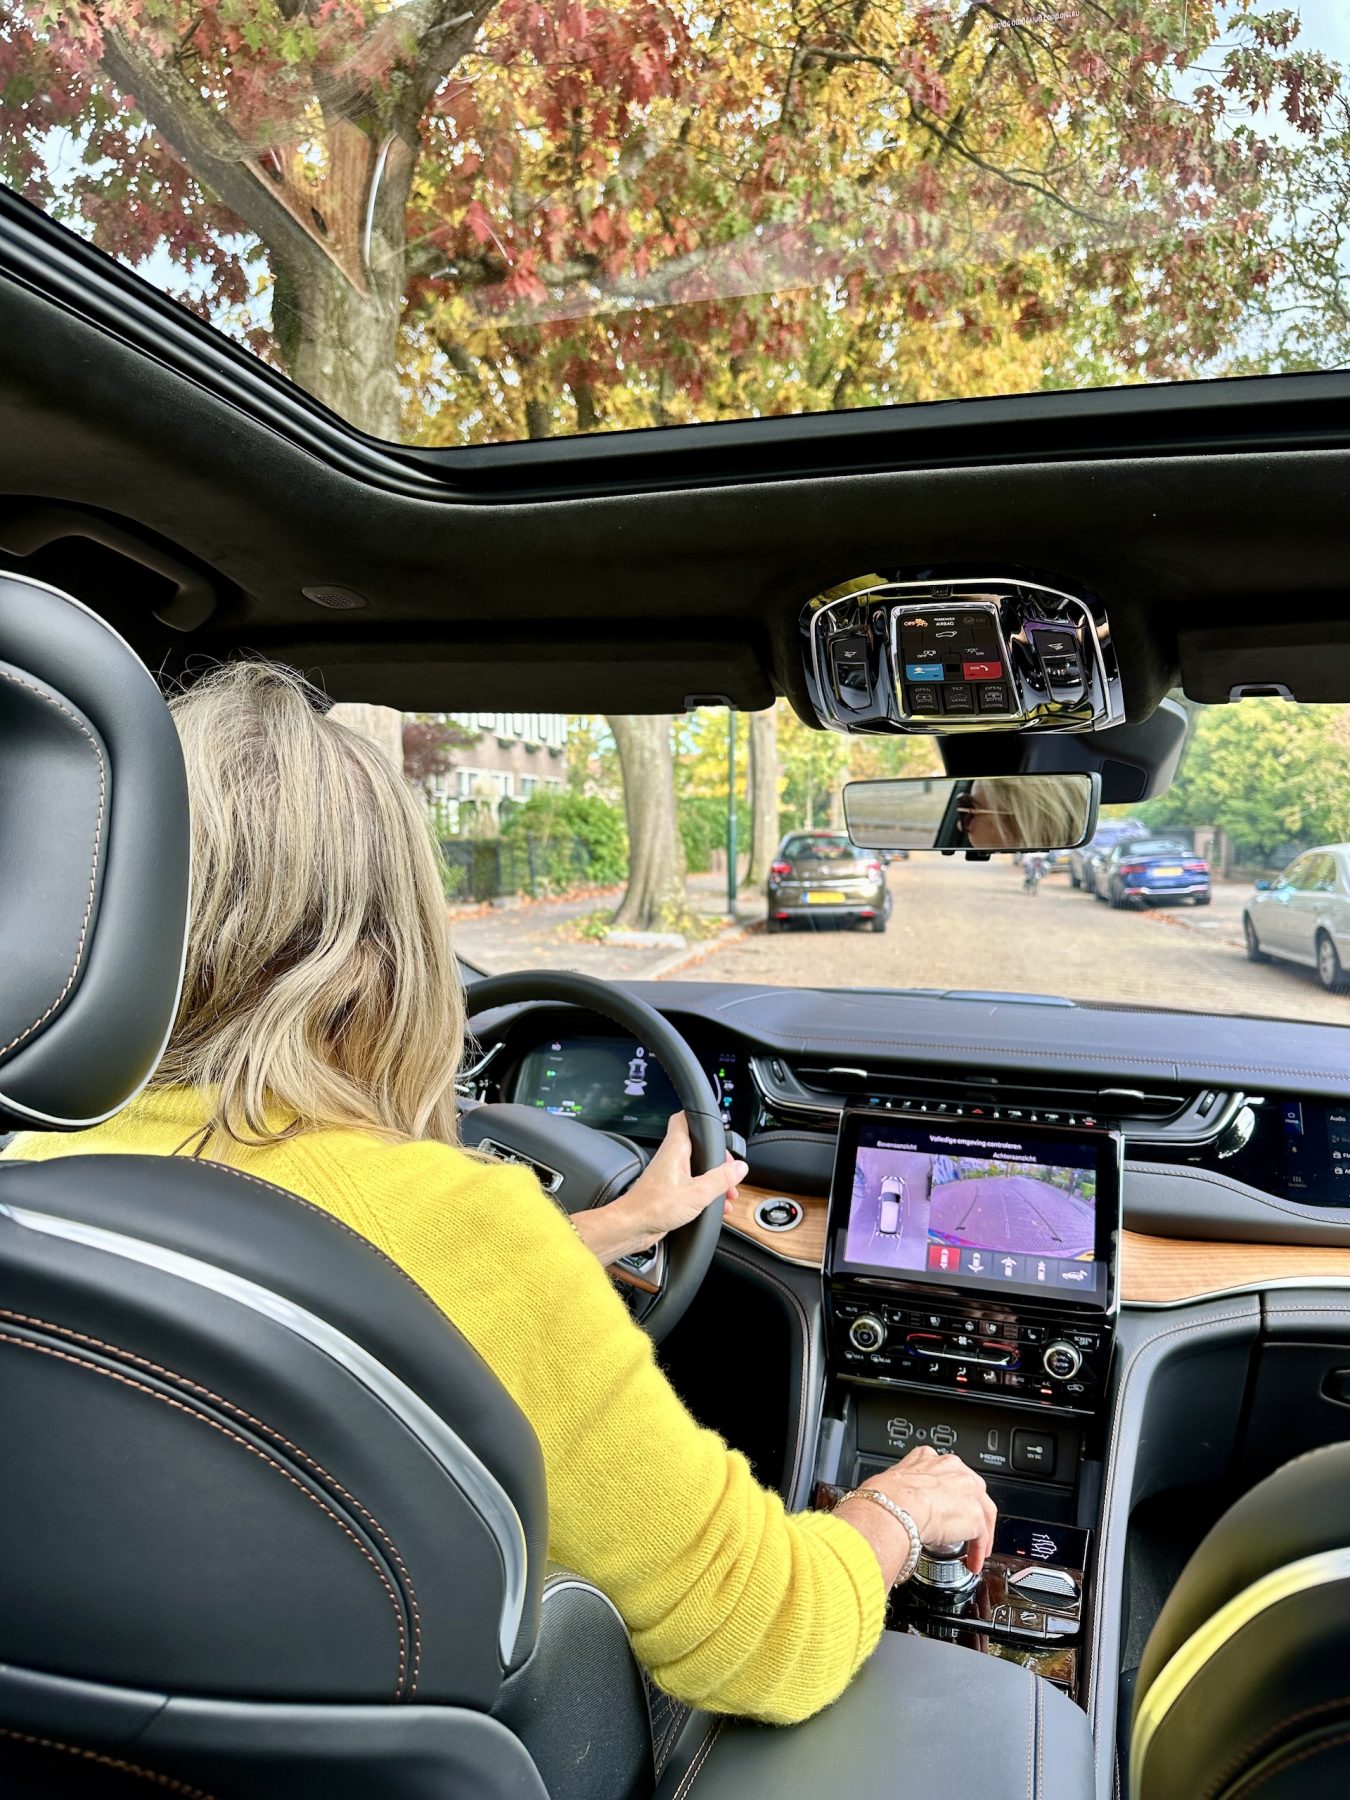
[1047, 811]
[320, 988]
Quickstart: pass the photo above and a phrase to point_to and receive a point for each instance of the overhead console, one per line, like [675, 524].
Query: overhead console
[959, 654]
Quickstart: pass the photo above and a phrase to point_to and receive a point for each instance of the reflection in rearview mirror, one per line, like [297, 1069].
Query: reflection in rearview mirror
[983, 813]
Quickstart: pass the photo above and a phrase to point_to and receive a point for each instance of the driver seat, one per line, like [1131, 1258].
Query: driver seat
[271, 1526]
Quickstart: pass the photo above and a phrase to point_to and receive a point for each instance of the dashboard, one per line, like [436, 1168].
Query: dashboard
[1258, 1103]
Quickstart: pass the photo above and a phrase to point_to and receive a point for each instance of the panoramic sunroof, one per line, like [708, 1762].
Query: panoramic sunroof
[482, 221]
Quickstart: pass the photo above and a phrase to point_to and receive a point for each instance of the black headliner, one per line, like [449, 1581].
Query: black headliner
[495, 576]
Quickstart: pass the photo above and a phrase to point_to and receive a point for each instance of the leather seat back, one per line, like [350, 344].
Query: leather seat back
[94, 861]
[271, 1524]
[1242, 1688]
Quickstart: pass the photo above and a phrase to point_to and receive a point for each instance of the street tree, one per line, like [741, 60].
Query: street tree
[461, 221]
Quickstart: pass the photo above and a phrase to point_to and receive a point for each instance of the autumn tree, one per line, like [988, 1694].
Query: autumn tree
[1273, 775]
[459, 221]
[429, 743]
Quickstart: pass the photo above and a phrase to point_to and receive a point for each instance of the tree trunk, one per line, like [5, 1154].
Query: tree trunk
[763, 794]
[655, 900]
[343, 349]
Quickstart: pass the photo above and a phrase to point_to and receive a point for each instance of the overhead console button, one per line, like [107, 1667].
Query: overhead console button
[992, 653]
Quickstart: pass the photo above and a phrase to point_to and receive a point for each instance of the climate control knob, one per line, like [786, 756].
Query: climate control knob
[1061, 1360]
[867, 1333]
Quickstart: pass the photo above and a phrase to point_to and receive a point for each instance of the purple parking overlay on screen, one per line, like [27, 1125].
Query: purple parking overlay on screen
[930, 1201]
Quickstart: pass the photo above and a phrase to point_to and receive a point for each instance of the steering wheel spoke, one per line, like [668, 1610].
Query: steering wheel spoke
[582, 1167]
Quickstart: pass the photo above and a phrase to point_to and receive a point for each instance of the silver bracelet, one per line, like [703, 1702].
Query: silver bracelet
[911, 1561]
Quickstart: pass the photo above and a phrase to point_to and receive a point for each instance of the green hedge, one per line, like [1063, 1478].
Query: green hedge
[554, 824]
[703, 828]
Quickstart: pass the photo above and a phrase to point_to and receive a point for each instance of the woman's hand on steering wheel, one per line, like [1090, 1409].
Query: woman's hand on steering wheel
[664, 1197]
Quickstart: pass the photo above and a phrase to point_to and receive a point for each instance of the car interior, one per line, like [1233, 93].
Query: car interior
[271, 1527]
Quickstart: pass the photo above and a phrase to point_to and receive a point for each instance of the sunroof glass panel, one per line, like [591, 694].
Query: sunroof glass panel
[465, 224]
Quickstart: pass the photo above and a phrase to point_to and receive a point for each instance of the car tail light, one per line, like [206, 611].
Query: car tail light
[1197, 868]
[780, 868]
[1132, 868]
[874, 870]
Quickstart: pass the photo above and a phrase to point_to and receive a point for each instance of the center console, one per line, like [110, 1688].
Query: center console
[970, 1304]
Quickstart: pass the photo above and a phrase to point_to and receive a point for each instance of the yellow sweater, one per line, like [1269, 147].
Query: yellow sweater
[733, 1603]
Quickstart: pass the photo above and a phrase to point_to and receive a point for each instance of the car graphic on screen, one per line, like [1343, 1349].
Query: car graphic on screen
[888, 1207]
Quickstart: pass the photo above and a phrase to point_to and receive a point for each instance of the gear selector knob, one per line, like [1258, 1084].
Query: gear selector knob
[942, 1568]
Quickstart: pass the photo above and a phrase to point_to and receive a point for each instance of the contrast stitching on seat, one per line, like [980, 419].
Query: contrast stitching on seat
[1221, 1780]
[249, 1418]
[691, 1774]
[18, 681]
[339, 1224]
[1031, 1736]
[679, 1714]
[1040, 1733]
[8, 1337]
[1149, 1343]
[747, 1263]
[106, 1762]
[1283, 1767]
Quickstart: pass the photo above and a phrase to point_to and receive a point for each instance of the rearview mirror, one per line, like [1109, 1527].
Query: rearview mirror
[982, 813]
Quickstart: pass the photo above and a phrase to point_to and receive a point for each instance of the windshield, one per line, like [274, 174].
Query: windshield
[475, 221]
[1222, 898]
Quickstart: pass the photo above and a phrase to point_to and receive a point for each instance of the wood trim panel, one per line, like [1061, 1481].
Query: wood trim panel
[1153, 1269]
[1160, 1269]
[804, 1245]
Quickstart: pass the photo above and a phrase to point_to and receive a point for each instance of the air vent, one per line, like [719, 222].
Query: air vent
[814, 1092]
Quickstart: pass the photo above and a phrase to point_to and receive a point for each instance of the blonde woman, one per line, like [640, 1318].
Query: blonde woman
[316, 1046]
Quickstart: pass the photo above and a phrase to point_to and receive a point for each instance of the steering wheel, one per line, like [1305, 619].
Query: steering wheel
[581, 1167]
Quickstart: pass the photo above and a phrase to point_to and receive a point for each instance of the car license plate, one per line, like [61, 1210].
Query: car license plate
[825, 897]
[1169, 869]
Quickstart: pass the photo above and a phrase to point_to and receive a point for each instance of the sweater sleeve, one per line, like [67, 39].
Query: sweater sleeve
[733, 1604]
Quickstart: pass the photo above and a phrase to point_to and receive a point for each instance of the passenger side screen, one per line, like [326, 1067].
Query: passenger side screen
[1011, 1212]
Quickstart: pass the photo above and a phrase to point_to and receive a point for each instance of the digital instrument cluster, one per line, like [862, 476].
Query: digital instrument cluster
[615, 1084]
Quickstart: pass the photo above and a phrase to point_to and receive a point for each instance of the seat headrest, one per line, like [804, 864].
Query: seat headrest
[94, 864]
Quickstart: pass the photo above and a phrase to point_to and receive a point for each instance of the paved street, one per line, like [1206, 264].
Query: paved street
[969, 925]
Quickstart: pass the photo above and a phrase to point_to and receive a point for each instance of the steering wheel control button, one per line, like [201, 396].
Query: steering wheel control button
[1061, 1360]
[779, 1214]
[867, 1333]
[1033, 1452]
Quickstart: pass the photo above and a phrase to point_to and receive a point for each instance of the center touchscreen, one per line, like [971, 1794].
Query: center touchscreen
[1015, 1211]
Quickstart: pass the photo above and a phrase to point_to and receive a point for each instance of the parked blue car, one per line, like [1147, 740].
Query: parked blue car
[1142, 871]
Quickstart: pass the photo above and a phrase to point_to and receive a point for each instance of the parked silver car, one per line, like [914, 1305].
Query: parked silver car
[1304, 916]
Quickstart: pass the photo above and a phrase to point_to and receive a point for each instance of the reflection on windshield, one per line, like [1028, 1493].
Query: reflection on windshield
[1228, 893]
[509, 219]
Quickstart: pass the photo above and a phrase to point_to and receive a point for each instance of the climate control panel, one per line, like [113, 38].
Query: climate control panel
[1040, 1358]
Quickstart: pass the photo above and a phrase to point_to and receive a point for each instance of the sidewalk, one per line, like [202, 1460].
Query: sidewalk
[547, 934]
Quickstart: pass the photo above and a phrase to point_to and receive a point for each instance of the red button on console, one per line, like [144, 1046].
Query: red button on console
[982, 671]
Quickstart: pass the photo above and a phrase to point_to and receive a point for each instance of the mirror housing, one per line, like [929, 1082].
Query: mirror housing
[980, 814]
